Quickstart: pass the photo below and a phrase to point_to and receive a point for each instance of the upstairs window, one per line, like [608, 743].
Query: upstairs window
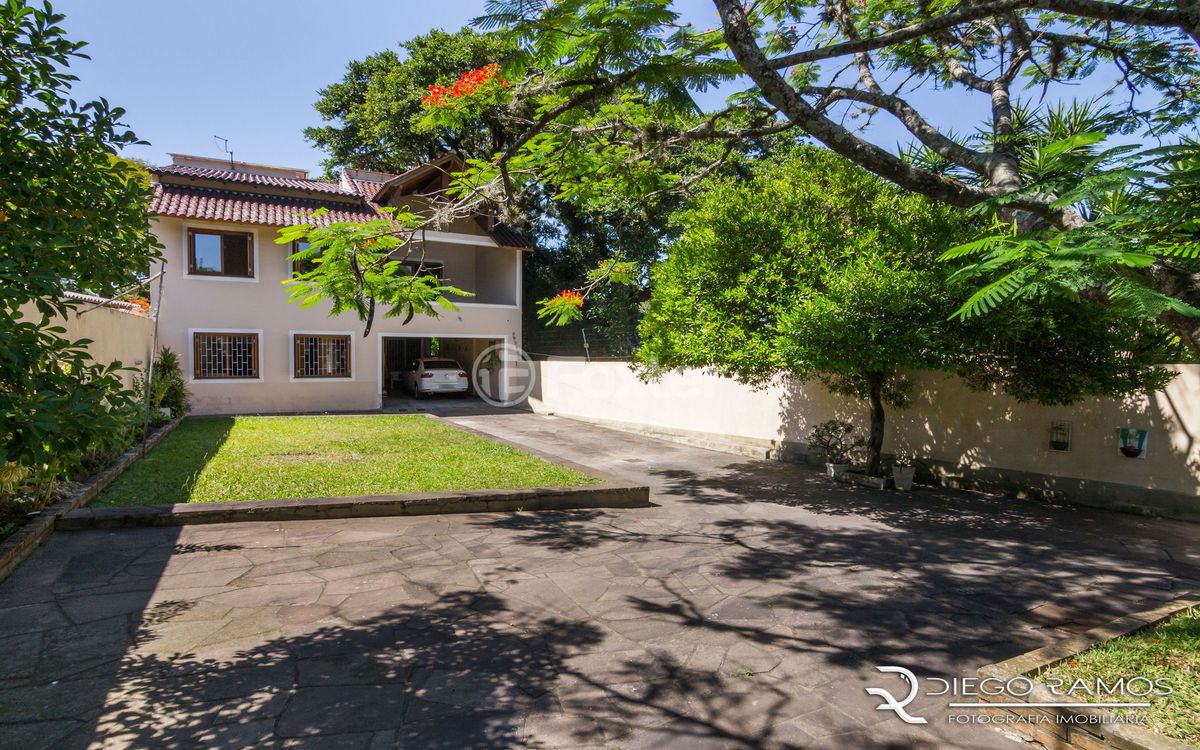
[225, 355]
[321, 355]
[429, 268]
[214, 253]
[302, 265]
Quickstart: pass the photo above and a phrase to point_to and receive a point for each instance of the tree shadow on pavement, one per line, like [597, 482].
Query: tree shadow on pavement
[464, 671]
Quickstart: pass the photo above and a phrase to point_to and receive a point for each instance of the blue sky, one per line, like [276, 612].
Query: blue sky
[249, 70]
[246, 70]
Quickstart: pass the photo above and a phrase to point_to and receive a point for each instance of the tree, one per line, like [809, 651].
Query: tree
[376, 108]
[380, 122]
[1141, 211]
[72, 216]
[602, 91]
[817, 268]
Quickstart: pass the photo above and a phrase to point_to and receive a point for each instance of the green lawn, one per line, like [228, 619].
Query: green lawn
[261, 458]
[1170, 651]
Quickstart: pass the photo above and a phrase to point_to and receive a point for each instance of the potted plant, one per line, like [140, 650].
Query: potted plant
[903, 471]
[836, 441]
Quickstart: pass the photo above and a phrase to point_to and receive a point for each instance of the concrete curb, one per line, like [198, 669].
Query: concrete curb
[1085, 729]
[26, 539]
[547, 457]
[607, 495]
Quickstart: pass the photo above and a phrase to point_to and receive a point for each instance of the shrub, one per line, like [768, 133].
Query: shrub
[167, 387]
[835, 440]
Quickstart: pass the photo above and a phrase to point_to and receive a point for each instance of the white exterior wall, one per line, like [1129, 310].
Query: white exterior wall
[971, 433]
[191, 303]
[115, 335]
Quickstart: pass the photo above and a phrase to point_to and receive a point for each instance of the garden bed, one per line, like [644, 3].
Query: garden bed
[1169, 651]
[1163, 642]
[24, 539]
[221, 459]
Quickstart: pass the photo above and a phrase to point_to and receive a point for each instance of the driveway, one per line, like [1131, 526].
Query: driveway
[747, 609]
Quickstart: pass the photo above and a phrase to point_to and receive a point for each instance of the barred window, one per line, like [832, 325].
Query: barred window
[225, 355]
[321, 355]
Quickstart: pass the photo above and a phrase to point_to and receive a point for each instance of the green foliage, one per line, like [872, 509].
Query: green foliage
[1140, 206]
[360, 264]
[602, 102]
[814, 267]
[836, 441]
[562, 309]
[72, 216]
[57, 405]
[376, 107]
[818, 268]
[168, 388]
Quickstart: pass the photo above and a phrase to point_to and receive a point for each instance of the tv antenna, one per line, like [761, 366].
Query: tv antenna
[224, 144]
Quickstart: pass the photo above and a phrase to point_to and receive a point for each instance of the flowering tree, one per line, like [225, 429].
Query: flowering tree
[480, 85]
[601, 97]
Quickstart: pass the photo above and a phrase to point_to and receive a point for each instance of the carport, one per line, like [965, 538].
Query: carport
[398, 353]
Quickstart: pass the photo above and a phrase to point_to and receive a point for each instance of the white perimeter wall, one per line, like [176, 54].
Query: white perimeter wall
[116, 335]
[946, 421]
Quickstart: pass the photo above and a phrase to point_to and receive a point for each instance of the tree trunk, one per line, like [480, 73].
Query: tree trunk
[875, 440]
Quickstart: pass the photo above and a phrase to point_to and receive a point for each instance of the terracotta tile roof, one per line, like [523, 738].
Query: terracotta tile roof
[249, 208]
[250, 178]
[174, 195]
[366, 189]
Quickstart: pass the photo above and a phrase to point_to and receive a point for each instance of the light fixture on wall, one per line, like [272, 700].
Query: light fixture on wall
[1060, 435]
[1132, 443]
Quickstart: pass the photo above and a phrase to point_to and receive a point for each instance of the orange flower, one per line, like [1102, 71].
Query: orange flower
[568, 297]
[468, 83]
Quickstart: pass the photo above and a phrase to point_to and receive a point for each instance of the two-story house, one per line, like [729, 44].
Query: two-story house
[224, 307]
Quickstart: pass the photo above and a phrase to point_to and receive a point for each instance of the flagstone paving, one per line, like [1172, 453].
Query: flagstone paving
[748, 608]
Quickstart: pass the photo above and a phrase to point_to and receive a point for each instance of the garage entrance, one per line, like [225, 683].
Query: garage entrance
[400, 353]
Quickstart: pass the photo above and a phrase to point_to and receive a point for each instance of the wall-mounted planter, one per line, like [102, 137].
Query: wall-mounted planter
[1132, 443]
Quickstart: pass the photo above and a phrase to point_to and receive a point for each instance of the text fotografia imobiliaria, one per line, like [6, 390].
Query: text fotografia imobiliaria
[1117, 695]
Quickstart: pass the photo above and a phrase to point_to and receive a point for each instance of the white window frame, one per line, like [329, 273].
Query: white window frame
[292, 357]
[262, 357]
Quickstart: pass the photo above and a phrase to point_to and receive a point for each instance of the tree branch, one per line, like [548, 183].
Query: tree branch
[740, 36]
[966, 13]
[912, 120]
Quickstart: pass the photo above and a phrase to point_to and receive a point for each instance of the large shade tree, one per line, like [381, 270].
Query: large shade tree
[602, 90]
[377, 119]
[602, 99]
[817, 268]
[374, 113]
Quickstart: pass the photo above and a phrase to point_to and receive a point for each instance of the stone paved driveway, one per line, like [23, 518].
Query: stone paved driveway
[747, 609]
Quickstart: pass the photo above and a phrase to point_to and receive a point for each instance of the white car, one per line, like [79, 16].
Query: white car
[431, 375]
